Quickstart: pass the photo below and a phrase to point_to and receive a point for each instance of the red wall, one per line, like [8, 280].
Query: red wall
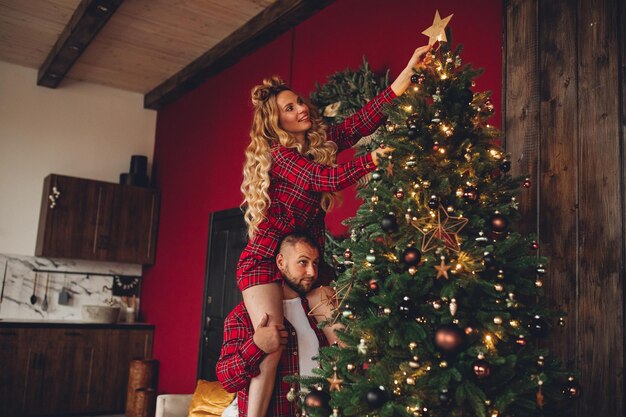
[200, 141]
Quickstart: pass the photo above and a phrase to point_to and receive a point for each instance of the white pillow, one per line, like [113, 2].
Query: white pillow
[231, 410]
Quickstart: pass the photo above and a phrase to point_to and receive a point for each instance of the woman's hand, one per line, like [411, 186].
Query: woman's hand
[419, 59]
[380, 152]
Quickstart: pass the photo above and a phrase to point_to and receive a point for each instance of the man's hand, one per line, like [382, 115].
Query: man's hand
[269, 338]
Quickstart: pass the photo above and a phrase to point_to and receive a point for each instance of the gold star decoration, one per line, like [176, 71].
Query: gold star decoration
[335, 382]
[442, 268]
[334, 301]
[440, 227]
[437, 32]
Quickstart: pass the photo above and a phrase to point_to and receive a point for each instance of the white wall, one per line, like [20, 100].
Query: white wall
[79, 129]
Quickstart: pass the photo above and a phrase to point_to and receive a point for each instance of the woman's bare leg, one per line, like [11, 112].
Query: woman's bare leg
[261, 299]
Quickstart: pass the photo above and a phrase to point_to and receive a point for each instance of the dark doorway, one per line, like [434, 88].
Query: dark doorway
[227, 238]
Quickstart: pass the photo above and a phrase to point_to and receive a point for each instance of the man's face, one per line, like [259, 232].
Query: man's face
[298, 263]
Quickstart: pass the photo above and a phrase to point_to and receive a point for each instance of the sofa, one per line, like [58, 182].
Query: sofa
[177, 405]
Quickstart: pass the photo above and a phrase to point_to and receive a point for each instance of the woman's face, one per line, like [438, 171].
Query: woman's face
[294, 114]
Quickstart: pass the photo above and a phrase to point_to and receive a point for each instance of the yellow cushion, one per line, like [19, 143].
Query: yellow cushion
[209, 399]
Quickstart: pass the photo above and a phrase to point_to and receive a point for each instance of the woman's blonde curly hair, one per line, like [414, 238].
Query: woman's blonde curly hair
[265, 133]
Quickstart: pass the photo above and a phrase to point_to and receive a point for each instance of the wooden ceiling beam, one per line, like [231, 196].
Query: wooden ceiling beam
[260, 30]
[89, 17]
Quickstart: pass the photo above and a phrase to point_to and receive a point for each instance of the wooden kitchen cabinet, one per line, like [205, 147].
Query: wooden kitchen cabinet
[68, 370]
[12, 366]
[96, 220]
[58, 371]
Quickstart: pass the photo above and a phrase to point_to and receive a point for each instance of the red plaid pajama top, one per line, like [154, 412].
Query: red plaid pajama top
[240, 358]
[296, 188]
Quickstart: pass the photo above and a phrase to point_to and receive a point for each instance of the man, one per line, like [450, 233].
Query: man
[299, 339]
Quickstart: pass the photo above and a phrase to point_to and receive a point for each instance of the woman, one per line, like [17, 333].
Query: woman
[290, 177]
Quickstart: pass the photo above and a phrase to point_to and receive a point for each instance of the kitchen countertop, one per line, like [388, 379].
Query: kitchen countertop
[14, 323]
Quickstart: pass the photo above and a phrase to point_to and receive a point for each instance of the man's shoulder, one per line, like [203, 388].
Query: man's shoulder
[319, 295]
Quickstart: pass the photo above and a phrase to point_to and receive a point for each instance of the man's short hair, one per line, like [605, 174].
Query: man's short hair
[298, 236]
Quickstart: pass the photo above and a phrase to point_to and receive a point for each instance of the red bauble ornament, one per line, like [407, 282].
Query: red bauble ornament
[527, 183]
[499, 223]
[481, 368]
[411, 256]
[572, 389]
[470, 194]
[449, 338]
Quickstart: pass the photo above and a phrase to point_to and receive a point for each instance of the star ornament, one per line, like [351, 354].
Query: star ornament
[333, 302]
[438, 228]
[437, 32]
[442, 269]
[335, 382]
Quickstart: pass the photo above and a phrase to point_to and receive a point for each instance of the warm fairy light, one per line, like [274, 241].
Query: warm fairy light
[444, 76]
[489, 342]
[408, 108]
[459, 266]
[442, 150]
[416, 88]
[495, 153]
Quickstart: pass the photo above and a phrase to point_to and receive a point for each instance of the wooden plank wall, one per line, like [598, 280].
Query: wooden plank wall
[564, 88]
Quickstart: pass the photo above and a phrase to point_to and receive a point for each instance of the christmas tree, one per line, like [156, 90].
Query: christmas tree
[440, 297]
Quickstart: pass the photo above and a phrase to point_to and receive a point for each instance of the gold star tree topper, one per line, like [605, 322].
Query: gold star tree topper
[437, 32]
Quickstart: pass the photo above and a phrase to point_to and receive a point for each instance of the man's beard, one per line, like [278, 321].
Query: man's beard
[296, 287]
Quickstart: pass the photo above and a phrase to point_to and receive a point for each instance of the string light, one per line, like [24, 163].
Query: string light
[489, 342]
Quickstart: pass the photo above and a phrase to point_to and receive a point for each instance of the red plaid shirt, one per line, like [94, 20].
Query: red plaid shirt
[296, 188]
[240, 358]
